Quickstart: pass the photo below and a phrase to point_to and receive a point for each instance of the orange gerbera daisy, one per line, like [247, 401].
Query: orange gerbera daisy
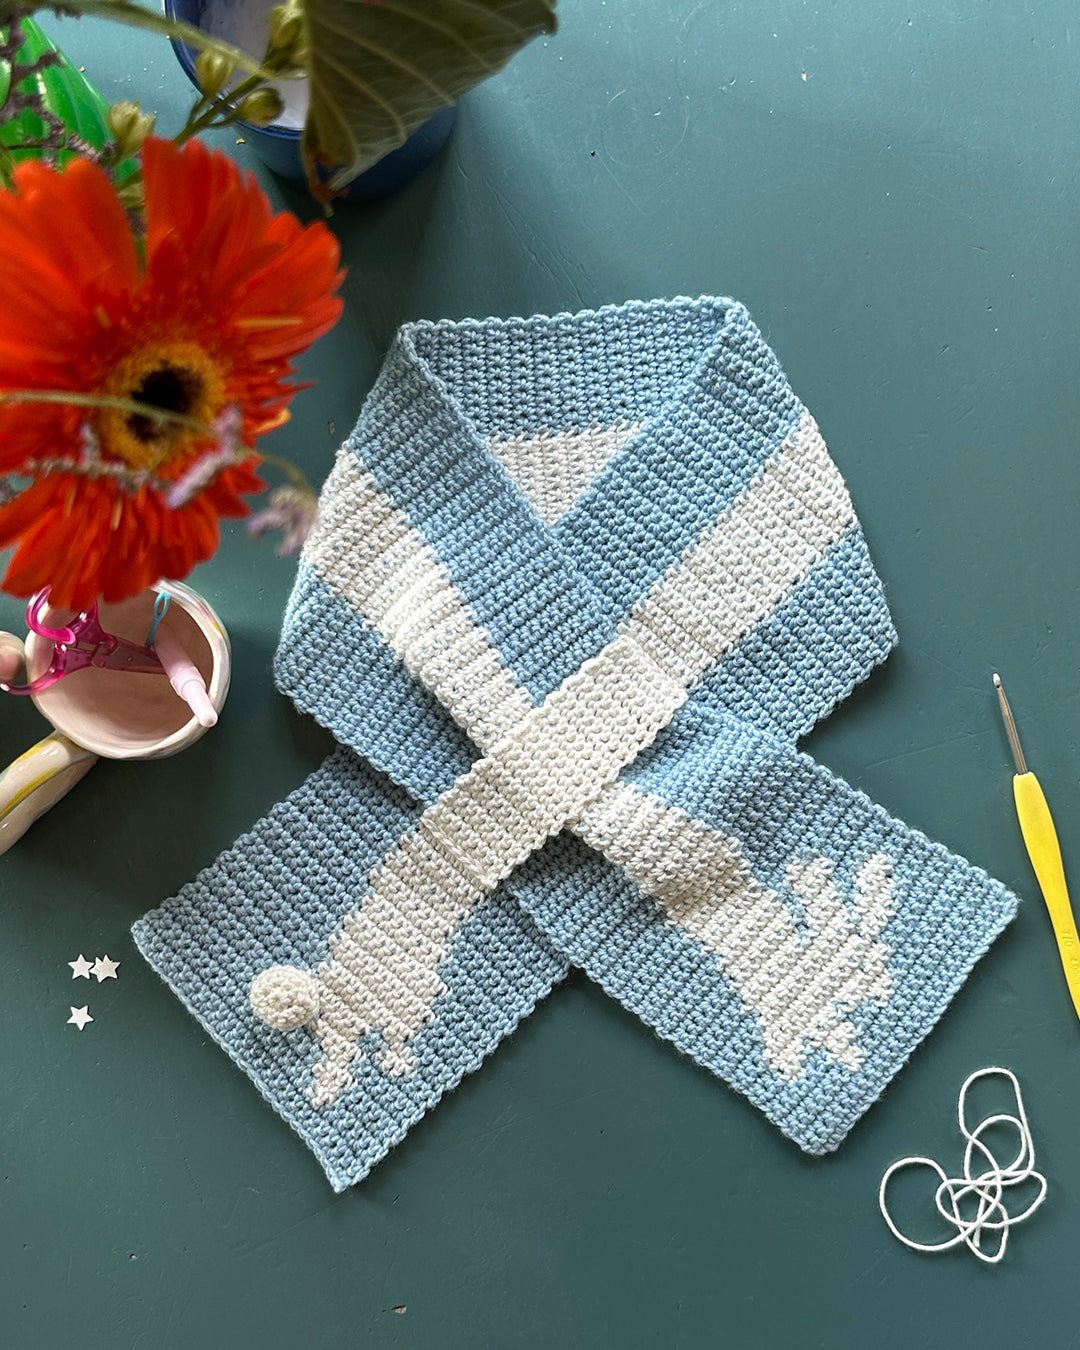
[200, 318]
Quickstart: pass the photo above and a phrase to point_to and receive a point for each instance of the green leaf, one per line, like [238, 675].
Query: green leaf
[380, 68]
[64, 91]
[73, 99]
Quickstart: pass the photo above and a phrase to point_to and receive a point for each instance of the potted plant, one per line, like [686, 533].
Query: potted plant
[245, 24]
[376, 72]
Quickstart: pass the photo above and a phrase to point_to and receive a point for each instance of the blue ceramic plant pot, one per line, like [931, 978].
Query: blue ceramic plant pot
[278, 146]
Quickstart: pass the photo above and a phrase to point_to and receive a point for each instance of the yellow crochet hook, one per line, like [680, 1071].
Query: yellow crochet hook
[1041, 841]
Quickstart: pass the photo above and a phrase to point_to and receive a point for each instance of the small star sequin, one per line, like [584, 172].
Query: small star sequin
[80, 969]
[80, 1016]
[105, 969]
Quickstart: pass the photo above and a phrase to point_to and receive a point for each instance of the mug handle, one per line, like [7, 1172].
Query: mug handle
[36, 781]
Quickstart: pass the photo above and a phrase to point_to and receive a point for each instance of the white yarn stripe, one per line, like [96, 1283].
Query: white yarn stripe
[734, 575]
[366, 549]
[801, 982]
[382, 966]
[545, 772]
[554, 468]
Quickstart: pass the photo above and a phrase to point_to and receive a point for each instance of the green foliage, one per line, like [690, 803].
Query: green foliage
[381, 68]
[378, 68]
[62, 90]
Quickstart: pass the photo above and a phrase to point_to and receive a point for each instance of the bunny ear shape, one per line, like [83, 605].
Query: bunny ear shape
[578, 585]
[271, 901]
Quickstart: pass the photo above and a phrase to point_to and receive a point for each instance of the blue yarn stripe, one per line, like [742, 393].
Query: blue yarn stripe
[713, 407]
[273, 897]
[946, 916]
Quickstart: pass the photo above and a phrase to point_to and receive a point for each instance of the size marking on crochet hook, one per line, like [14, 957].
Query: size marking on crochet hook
[793, 510]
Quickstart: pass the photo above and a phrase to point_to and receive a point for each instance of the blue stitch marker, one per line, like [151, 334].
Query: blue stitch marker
[161, 608]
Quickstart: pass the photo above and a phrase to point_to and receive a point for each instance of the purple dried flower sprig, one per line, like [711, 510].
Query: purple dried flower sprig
[292, 510]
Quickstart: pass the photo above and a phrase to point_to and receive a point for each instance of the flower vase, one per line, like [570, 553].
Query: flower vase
[243, 23]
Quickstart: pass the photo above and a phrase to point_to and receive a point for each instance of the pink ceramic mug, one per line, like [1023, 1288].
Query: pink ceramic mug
[118, 714]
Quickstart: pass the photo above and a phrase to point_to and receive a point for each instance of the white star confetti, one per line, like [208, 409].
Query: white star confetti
[105, 969]
[80, 1017]
[80, 969]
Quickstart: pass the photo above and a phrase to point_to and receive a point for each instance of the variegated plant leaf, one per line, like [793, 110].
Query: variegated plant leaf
[380, 68]
[64, 91]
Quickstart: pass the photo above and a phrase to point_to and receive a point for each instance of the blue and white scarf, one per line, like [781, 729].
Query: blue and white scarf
[578, 586]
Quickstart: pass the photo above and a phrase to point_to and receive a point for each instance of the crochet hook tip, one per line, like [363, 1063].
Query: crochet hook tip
[1010, 726]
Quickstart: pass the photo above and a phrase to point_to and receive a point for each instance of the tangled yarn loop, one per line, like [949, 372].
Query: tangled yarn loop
[975, 1205]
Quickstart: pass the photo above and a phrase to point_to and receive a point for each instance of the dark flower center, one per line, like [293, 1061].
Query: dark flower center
[170, 388]
[177, 377]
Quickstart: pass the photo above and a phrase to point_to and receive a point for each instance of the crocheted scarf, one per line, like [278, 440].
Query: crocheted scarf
[578, 586]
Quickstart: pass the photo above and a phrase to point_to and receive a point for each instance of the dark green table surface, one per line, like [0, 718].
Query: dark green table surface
[894, 190]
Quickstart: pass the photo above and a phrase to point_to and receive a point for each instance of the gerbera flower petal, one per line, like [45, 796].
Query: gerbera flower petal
[265, 267]
[181, 187]
[69, 228]
[227, 294]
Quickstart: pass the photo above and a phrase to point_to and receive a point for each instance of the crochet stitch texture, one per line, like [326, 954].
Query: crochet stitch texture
[578, 586]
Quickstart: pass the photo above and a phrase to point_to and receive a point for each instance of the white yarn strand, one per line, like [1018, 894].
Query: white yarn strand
[991, 1217]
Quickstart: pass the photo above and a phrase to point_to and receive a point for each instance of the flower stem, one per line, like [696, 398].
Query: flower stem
[291, 472]
[220, 109]
[70, 398]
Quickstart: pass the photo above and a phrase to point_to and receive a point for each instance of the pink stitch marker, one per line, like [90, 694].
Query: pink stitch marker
[184, 677]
